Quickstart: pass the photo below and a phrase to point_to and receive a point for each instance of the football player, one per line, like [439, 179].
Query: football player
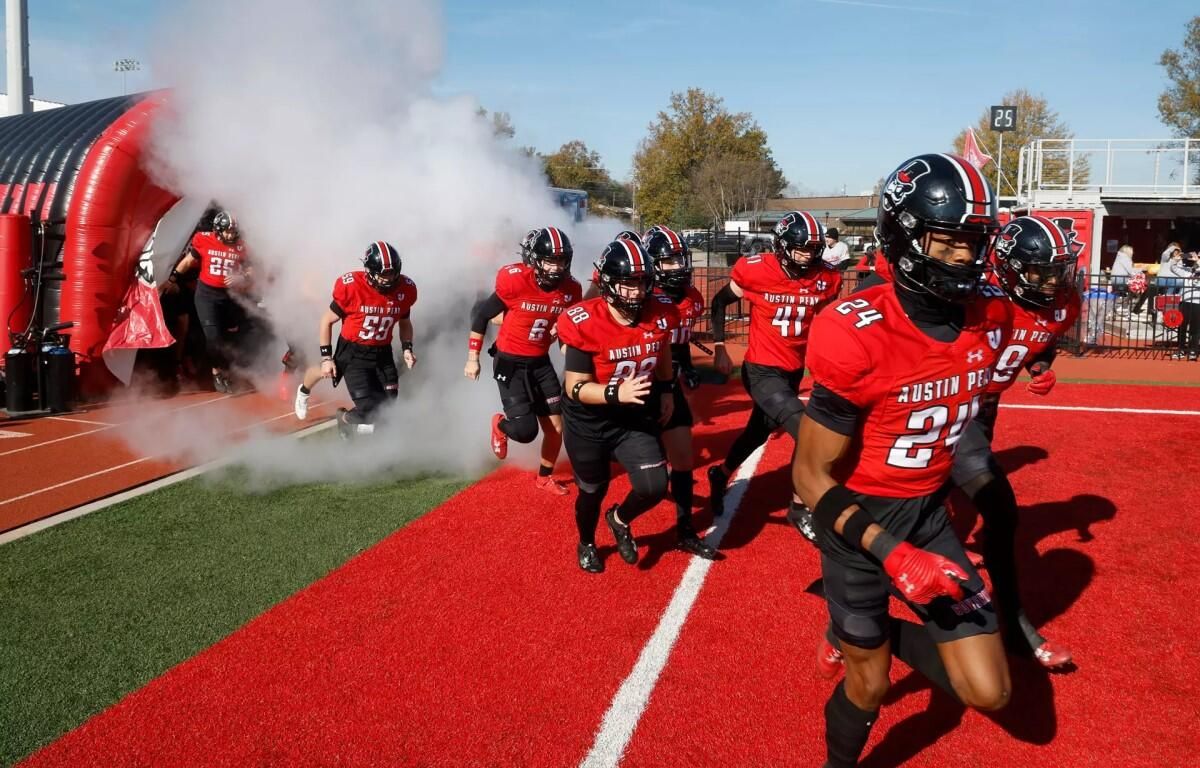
[785, 289]
[899, 370]
[371, 304]
[220, 255]
[593, 288]
[619, 392]
[531, 296]
[672, 260]
[1034, 262]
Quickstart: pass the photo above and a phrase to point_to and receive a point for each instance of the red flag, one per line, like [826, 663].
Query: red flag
[971, 151]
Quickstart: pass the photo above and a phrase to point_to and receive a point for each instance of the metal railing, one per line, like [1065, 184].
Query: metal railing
[1151, 169]
[1114, 322]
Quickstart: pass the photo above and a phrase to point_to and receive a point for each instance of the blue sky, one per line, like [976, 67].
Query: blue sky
[844, 88]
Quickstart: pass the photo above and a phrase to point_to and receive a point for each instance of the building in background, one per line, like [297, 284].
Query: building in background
[38, 105]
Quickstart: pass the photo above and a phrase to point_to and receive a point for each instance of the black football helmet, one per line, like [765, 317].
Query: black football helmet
[548, 251]
[225, 227]
[662, 245]
[799, 231]
[629, 234]
[626, 276]
[1035, 260]
[932, 194]
[382, 263]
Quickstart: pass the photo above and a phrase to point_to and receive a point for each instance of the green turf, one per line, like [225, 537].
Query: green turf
[95, 608]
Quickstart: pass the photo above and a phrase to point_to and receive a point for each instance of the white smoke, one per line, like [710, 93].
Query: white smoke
[314, 123]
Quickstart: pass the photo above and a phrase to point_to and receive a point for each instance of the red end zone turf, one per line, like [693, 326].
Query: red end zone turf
[471, 637]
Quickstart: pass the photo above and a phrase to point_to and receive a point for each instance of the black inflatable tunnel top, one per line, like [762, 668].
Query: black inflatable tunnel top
[41, 154]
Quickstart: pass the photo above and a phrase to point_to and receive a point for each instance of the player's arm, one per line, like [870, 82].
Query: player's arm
[404, 329]
[1043, 377]
[579, 381]
[484, 311]
[825, 433]
[729, 294]
[325, 337]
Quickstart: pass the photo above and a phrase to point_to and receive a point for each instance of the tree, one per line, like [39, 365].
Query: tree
[1179, 104]
[1035, 120]
[575, 166]
[724, 184]
[501, 122]
[695, 127]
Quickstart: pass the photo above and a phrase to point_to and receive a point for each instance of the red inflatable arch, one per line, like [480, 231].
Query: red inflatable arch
[78, 172]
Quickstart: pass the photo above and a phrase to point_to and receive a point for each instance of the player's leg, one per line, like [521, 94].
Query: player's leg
[754, 434]
[546, 392]
[857, 601]
[311, 377]
[642, 456]
[977, 473]
[677, 440]
[966, 632]
[590, 465]
[517, 421]
[208, 309]
[358, 369]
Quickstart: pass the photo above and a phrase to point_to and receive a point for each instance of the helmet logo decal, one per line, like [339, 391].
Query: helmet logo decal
[1007, 239]
[904, 182]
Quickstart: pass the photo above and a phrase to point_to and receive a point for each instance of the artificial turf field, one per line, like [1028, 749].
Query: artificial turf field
[320, 625]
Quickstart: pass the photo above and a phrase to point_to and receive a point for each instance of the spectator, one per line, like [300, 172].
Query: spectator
[1166, 254]
[1122, 271]
[1168, 282]
[1189, 332]
[836, 255]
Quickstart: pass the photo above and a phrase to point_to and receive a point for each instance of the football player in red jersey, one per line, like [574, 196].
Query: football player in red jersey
[899, 370]
[371, 303]
[672, 260]
[619, 392]
[531, 296]
[785, 290]
[1034, 261]
[220, 255]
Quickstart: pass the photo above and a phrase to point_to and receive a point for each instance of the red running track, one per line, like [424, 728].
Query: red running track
[471, 638]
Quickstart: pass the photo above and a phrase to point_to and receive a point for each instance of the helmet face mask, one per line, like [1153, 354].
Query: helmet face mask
[548, 252]
[1036, 260]
[225, 227]
[799, 242]
[672, 259]
[937, 220]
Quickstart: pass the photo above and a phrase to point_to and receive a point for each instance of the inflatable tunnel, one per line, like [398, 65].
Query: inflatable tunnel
[78, 173]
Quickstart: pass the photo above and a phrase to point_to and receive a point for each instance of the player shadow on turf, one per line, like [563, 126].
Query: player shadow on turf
[1030, 716]
[766, 505]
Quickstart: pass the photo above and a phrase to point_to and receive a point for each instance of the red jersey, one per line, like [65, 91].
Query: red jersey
[781, 308]
[690, 309]
[915, 394]
[530, 312]
[1034, 331]
[620, 351]
[368, 316]
[219, 262]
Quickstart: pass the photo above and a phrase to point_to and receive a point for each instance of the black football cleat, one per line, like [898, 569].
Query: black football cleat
[801, 518]
[716, 490]
[693, 544]
[221, 384]
[626, 546]
[589, 558]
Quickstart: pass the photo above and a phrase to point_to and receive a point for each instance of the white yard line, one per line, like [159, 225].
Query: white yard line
[627, 706]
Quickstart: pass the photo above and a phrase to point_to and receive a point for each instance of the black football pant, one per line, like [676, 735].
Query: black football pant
[776, 405]
[639, 453]
[371, 377]
[529, 388]
[222, 320]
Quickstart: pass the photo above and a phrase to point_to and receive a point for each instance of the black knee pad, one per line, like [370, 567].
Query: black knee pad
[650, 483]
[783, 409]
[523, 429]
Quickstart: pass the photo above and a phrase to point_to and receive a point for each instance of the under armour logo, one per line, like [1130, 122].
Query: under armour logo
[975, 356]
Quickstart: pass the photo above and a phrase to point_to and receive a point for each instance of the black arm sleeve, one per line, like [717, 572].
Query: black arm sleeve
[832, 411]
[724, 298]
[483, 312]
[336, 309]
[1046, 357]
[578, 361]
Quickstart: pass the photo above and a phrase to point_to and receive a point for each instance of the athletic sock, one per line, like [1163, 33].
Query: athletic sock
[305, 390]
[847, 729]
[681, 492]
[587, 516]
[544, 471]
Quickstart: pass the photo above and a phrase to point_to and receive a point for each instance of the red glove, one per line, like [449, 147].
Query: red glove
[923, 576]
[1043, 379]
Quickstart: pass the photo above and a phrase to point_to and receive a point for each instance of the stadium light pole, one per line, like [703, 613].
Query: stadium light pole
[125, 66]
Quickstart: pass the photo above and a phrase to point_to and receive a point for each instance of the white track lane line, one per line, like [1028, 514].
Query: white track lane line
[111, 426]
[80, 421]
[139, 461]
[621, 719]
